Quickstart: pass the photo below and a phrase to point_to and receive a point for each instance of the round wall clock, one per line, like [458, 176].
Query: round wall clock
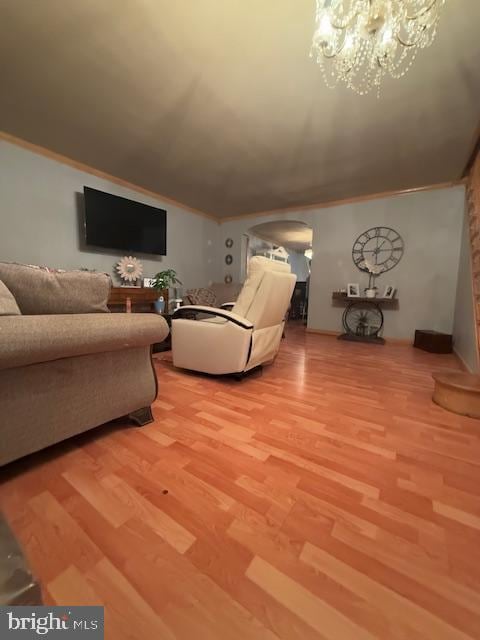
[381, 246]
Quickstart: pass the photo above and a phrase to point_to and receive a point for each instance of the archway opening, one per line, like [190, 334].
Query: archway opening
[289, 241]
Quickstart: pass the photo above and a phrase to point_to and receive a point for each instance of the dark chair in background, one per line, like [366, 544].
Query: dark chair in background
[299, 302]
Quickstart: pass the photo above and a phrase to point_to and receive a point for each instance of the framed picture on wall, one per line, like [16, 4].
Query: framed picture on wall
[353, 290]
[389, 291]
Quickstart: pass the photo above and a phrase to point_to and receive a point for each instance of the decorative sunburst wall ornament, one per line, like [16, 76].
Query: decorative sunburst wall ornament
[129, 269]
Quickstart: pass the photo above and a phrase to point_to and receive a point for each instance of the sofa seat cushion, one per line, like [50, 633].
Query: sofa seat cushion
[26, 340]
[39, 290]
[8, 304]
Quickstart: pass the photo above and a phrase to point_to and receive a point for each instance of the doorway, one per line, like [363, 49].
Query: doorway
[289, 241]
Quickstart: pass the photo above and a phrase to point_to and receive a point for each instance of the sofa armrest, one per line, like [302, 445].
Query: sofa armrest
[188, 310]
[26, 340]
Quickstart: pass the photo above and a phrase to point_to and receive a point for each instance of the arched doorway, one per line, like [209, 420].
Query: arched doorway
[291, 241]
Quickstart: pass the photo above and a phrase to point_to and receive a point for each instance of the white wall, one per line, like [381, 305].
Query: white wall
[430, 223]
[40, 214]
[464, 332]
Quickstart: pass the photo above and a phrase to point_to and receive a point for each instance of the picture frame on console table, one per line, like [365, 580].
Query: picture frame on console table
[353, 290]
[389, 292]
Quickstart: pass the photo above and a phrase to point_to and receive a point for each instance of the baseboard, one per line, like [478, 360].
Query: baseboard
[323, 332]
[462, 362]
[335, 334]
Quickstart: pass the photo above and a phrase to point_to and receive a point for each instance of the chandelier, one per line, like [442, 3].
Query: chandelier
[360, 41]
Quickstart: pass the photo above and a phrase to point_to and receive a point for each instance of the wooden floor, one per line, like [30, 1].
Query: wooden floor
[326, 497]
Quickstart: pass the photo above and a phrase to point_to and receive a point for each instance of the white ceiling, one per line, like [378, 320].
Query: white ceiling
[217, 104]
[285, 233]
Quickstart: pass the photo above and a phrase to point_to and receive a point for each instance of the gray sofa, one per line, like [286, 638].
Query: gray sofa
[66, 364]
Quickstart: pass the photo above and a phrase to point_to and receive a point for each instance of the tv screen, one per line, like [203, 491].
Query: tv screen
[117, 223]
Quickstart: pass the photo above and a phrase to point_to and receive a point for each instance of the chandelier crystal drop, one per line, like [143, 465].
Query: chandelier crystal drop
[359, 41]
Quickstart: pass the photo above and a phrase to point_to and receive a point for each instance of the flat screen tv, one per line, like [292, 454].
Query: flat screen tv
[112, 222]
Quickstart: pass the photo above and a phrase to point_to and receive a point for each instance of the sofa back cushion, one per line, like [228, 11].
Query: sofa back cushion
[38, 290]
[8, 304]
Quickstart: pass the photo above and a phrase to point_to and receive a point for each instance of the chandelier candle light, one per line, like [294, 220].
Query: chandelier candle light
[360, 41]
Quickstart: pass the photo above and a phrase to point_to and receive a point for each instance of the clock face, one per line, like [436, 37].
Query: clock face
[381, 246]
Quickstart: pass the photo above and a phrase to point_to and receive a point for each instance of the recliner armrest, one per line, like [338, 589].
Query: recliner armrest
[212, 311]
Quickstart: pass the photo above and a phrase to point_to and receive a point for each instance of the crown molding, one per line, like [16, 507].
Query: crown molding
[57, 157]
[323, 332]
[338, 203]
[474, 152]
[75, 164]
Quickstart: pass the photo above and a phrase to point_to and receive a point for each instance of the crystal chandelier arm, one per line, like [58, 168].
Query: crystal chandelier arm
[329, 56]
[324, 6]
[410, 44]
[347, 23]
[423, 11]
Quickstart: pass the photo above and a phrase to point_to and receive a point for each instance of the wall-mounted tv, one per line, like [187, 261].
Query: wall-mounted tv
[113, 222]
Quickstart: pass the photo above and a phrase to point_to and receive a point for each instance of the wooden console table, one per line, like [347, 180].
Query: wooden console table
[132, 299]
[368, 327]
[337, 296]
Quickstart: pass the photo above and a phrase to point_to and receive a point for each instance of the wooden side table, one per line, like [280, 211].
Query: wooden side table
[140, 300]
[132, 299]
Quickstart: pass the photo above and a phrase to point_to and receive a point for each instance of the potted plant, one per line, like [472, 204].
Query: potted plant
[162, 281]
[373, 271]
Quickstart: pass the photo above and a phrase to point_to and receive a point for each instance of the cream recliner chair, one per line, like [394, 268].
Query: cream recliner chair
[238, 340]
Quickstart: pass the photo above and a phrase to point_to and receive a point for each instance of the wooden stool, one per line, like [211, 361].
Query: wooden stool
[458, 392]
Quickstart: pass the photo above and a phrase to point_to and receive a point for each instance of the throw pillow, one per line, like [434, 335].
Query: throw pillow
[8, 304]
[38, 290]
[203, 297]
